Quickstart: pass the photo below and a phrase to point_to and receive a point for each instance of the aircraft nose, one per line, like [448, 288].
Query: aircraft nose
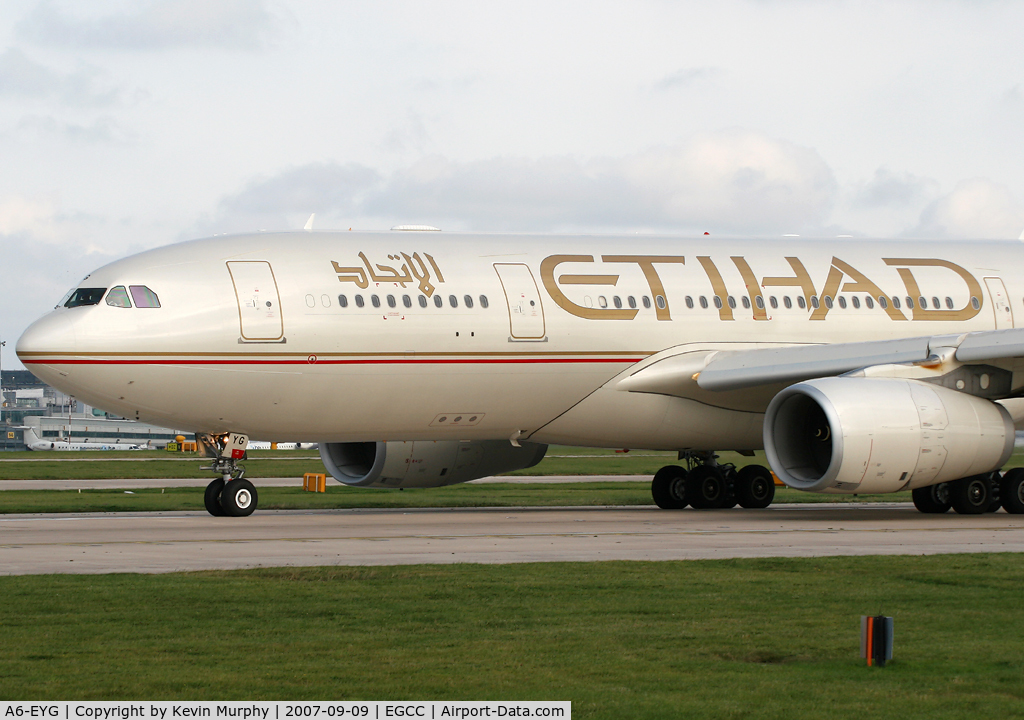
[53, 333]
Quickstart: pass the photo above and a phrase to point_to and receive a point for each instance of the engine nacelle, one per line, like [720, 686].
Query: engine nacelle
[879, 435]
[425, 463]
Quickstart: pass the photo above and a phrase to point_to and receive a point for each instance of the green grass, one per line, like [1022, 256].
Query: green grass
[560, 460]
[773, 638]
[52, 465]
[339, 497]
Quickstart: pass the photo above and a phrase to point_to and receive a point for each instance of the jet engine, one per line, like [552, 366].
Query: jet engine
[425, 463]
[864, 435]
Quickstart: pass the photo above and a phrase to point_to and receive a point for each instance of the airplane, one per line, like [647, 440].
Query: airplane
[264, 445]
[418, 358]
[34, 442]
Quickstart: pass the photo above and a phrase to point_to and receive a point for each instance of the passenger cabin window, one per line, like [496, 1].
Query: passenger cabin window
[407, 301]
[801, 302]
[85, 296]
[617, 301]
[485, 304]
[453, 301]
[773, 302]
[828, 301]
[935, 303]
[391, 301]
[468, 299]
[632, 301]
[975, 303]
[118, 297]
[842, 302]
[647, 302]
[895, 302]
[732, 302]
[910, 303]
[703, 302]
[883, 302]
[438, 302]
[689, 302]
[949, 303]
[718, 302]
[814, 302]
[375, 301]
[923, 302]
[869, 302]
[746, 302]
[144, 297]
[343, 301]
[759, 301]
[423, 301]
[359, 301]
[787, 302]
[602, 301]
[856, 301]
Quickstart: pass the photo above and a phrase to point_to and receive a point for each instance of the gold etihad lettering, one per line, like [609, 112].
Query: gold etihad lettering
[839, 270]
[547, 276]
[647, 263]
[800, 279]
[861, 283]
[968, 311]
[753, 289]
[412, 270]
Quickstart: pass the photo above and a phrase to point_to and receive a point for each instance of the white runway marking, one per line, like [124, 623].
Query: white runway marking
[155, 542]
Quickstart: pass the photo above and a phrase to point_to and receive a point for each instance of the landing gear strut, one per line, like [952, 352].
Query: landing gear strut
[705, 484]
[230, 494]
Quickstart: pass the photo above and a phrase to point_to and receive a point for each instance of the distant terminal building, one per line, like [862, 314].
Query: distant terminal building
[53, 416]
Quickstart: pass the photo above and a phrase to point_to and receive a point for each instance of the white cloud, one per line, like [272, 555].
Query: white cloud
[103, 130]
[20, 76]
[732, 181]
[685, 77]
[157, 24]
[977, 208]
[887, 189]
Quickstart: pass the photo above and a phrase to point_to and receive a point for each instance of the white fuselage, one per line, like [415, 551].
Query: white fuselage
[324, 337]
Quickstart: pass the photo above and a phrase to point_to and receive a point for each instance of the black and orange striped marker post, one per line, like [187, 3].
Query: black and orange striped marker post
[876, 639]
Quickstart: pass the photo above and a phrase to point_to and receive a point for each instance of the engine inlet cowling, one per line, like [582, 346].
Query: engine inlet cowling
[857, 435]
[425, 463]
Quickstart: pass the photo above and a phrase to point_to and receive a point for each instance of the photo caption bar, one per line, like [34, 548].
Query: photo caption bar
[370, 710]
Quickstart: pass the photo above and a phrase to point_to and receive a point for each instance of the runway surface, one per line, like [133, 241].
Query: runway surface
[165, 542]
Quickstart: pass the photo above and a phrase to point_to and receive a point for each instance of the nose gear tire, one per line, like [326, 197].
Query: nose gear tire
[212, 498]
[238, 498]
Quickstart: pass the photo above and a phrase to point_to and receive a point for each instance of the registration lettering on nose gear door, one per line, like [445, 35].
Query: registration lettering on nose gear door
[235, 446]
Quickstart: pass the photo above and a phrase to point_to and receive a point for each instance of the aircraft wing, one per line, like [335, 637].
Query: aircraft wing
[767, 366]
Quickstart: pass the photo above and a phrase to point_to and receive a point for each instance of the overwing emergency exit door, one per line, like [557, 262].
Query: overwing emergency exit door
[525, 312]
[1000, 303]
[259, 303]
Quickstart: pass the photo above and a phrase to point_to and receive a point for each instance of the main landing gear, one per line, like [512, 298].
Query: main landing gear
[231, 494]
[704, 484]
[975, 495]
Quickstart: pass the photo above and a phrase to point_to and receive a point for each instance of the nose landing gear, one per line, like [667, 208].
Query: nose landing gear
[231, 494]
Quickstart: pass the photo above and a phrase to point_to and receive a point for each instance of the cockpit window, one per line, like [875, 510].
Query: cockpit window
[118, 297]
[144, 297]
[85, 296]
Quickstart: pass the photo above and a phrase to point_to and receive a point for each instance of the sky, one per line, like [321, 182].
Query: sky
[126, 125]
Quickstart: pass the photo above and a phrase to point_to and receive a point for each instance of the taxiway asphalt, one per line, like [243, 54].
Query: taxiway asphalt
[166, 542]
